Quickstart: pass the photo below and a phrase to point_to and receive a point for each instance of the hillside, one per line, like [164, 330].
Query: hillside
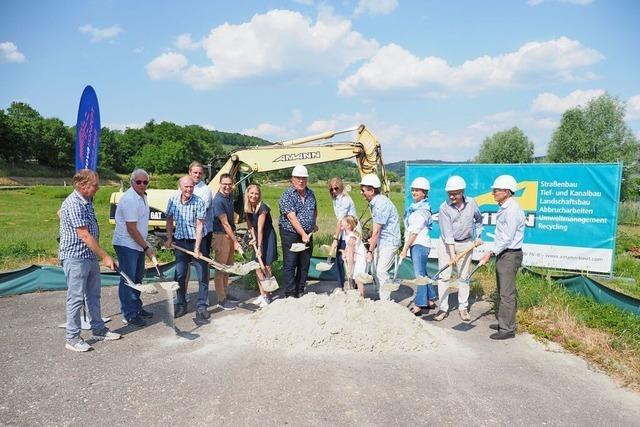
[398, 167]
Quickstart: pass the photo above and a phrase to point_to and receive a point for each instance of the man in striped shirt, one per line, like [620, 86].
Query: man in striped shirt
[78, 253]
[460, 223]
[185, 224]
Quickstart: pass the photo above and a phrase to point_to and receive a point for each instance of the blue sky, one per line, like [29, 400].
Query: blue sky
[432, 79]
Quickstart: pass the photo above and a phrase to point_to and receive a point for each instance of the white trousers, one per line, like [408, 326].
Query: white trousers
[382, 261]
[463, 267]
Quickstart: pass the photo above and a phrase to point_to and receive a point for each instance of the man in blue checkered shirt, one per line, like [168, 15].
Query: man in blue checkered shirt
[186, 213]
[78, 253]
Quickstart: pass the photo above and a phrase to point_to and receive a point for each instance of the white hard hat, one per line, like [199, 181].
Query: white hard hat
[371, 180]
[505, 182]
[420, 183]
[300, 171]
[454, 183]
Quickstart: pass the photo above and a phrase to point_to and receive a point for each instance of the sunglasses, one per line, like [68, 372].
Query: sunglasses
[142, 182]
[334, 189]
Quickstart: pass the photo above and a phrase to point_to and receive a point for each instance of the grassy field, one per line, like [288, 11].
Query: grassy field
[602, 334]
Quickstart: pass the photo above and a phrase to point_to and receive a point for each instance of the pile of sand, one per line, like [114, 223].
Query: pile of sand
[340, 321]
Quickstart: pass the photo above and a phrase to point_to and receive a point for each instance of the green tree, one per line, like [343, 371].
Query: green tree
[24, 123]
[508, 146]
[596, 133]
[55, 145]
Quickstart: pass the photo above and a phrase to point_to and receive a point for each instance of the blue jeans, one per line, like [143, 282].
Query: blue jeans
[340, 263]
[182, 269]
[83, 280]
[131, 262]
[424, 293]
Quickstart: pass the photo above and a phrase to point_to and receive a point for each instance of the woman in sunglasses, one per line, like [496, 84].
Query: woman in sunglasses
[342, 206]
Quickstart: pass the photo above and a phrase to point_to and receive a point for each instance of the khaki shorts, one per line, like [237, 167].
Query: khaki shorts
[223, 248]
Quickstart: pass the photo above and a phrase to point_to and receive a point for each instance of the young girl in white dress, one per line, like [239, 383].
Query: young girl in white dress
[355, 254]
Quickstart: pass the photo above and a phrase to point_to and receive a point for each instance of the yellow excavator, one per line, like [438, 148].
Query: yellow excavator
[241, 164]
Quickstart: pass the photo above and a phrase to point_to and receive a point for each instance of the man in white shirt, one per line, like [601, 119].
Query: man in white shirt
[129, 241]
[507, 247]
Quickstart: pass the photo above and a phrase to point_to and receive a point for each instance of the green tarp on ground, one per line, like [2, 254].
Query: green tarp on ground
[588, 287]
[51, 278]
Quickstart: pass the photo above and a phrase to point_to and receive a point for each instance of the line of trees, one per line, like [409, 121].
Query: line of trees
[596, 133]
[26, 136]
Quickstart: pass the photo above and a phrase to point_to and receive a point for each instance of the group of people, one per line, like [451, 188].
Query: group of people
[199, 221]
[460, 223]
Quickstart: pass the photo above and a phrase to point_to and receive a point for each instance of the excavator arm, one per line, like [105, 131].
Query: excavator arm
[242, 163]
[308, 151]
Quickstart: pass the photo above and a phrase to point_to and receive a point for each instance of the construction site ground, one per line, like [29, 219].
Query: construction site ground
[203, 376]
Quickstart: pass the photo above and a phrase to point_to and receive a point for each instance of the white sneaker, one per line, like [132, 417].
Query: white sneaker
[263, 303]
[78, 344]
[106, 335]
[259, 300]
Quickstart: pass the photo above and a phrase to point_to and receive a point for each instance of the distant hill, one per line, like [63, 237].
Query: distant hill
[398, 167]
[237, 140]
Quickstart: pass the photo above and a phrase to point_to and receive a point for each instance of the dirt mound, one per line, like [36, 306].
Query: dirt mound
[340, 321]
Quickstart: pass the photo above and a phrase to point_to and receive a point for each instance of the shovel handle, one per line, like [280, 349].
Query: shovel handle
[255, 248]
[456, 259]
[215, 264]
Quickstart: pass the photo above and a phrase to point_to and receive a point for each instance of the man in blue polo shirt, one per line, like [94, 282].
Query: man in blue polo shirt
[224, 240]
[298, 214]
[78, 253]
[185, 224]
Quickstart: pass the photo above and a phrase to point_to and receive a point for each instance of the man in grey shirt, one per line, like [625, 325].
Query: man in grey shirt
[460, 223]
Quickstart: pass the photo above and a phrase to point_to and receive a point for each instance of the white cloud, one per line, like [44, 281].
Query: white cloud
[551, 103]
[166, 66]
[184, 42]
[138, 50]
[208, 126]
[99, 34]
[338, 122]
[376, 7]
[576, 2]
[274, 132]
[279, 42]
[393, 68]
[270, 132]
[633, 108]
[9, 53]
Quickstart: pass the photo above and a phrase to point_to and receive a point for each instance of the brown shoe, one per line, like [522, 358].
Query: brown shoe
[464, 314]
[440, 315]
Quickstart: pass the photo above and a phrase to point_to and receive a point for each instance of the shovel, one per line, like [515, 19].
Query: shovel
[328, 265]
[239, 269]
[146, 288]
[429, 280]
[468, 279]
[156, 265]
[365, 278]
[300, 247]
[269, 284]
[394, 284]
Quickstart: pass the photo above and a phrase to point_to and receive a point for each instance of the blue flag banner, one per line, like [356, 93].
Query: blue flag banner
[571, 210]
[88, 131]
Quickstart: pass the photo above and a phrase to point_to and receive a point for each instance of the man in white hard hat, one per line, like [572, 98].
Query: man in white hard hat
[385, 235]
[460, 224]
[298, 215]
[507, 247]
